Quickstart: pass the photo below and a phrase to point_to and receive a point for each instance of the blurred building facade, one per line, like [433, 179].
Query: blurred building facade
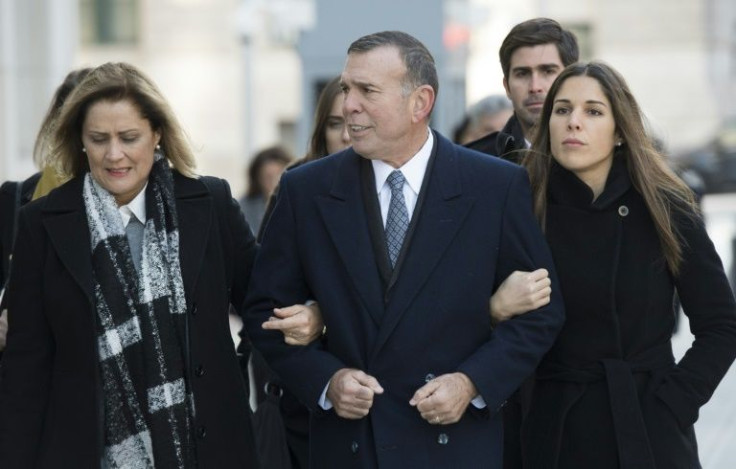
[243, 74]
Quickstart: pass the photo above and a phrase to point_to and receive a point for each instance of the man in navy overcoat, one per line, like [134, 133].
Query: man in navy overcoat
[411, 372]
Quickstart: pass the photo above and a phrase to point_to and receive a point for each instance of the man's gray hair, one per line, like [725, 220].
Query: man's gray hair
[420, 66]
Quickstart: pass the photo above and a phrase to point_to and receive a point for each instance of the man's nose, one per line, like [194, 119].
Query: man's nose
[350, 102]
[536, 83]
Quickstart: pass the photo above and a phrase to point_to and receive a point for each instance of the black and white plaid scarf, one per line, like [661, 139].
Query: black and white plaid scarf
[141, 330]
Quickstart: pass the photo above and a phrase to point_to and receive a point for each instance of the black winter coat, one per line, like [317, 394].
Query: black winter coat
[507, 143]
[7, 215]
[609, 393]
[50, 396]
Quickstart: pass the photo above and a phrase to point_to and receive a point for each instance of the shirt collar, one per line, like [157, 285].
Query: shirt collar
[413, 170]
[137, 207]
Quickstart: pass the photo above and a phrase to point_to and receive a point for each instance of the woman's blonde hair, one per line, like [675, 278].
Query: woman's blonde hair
[663, 192]
[117, 82]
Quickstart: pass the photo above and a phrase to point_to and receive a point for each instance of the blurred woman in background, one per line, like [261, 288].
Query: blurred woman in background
[264, 172]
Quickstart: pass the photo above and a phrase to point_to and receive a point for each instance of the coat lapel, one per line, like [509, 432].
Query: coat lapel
[344, 215]
[65, 222]
[441, 216]
[195, 207]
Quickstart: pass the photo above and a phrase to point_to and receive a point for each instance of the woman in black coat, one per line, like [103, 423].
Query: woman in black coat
[119, 353]
[626, 235]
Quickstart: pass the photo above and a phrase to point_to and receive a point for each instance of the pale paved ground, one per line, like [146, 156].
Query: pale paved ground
[716, 428]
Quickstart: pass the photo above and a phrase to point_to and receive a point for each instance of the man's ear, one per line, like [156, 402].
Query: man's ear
[423, 103]
[506, 87]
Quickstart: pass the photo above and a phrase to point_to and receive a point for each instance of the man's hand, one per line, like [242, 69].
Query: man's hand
[443, 400]
[519, 293]
[300, 324]
[3, 328]
[351, 393]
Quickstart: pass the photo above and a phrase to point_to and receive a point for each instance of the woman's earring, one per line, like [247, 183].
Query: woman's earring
[619, 143]
[84, 150]
[158, 146]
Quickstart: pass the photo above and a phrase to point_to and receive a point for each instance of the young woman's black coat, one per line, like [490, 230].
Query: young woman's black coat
[613, 356]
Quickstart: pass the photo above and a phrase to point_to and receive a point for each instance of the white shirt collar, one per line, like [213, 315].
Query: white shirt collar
[413, 170]
[137, 207]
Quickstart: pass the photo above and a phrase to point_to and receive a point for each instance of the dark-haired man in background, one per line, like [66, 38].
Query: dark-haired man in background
[532, 55]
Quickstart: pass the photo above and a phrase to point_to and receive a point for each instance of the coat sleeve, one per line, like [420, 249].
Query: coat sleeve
[516, 346]
[244, 248]
[27, 362]
[708, 302]
[277, 281]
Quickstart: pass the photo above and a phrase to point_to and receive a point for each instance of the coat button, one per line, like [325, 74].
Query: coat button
[623, 210]
[194, 309]
[443, 439]
[199, 371]
[354, 447]
[201, 432]
[429, 377]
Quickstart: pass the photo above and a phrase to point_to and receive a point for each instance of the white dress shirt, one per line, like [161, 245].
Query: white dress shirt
[413, 171]
[136, 207]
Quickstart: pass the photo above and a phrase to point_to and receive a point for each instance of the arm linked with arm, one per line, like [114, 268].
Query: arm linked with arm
[516, 346]
[278, 280]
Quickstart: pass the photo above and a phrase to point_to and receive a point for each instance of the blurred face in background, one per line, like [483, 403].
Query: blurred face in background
[269, 175]
[119, 145]
[336, 132]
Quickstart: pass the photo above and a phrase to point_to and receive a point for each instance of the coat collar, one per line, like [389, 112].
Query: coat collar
[565, 188]
[65, 221]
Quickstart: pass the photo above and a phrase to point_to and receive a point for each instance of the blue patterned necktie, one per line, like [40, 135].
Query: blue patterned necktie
[397, 220]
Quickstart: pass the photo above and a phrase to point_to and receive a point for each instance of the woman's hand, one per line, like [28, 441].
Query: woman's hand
[519, 293]
[300, 324]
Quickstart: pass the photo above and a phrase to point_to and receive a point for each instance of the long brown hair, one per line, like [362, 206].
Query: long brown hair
[116, 82]
[318, 142]
[662, 190]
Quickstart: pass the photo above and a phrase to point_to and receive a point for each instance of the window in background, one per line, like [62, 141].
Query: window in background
[109, 22]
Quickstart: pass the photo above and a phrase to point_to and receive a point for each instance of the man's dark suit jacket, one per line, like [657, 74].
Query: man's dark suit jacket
[472, 227]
